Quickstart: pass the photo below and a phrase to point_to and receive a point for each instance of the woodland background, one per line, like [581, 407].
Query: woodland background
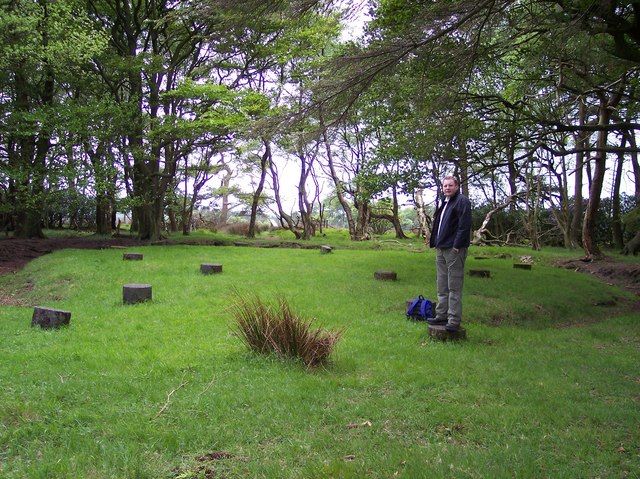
[184, 114]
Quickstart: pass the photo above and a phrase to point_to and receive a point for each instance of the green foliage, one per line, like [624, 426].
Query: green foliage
[631, 220]
[210, 109]
[57, 34]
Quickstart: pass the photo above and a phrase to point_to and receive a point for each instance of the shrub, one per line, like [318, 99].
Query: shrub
[238, 229]
[269, 329]
[241, 228]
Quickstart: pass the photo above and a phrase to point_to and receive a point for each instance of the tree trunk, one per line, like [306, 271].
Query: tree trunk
[512, 168]
[346, 207]
[364, 216]
[285, 220]
[636, 165]
[463, 166]
[479, 235]
[616, 220]
[393, 218]
[600, 158]
[577, 219]
[103, 215]
[173, 223]
[423, 221]
[224, 187]
[308, 228]
[266, 157]
[32, 154]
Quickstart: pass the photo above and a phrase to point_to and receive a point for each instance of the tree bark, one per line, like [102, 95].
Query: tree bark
[346, 207]
[266, 157]
[480, 233]
[285, 220]
[577, 219]
[393, 218]
[305, 208]
[591, 249]
[636, 165]
[423, 221]
[616, 220]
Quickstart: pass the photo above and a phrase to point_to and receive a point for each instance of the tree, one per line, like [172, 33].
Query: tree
[38, 60]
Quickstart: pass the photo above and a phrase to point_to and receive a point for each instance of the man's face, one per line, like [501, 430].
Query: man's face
[449, 188]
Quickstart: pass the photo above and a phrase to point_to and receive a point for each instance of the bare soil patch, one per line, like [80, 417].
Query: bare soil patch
[16, 253]
[610, 271]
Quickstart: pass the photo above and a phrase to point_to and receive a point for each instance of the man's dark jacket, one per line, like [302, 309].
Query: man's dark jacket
[456, 224]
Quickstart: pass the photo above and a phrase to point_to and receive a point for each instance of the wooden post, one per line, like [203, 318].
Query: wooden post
[132, 256]
[325, 249]
[441, 334]
[48, 318]
[136, 293]
[208, 268]
[385, 275]
[522, 266]
[480, 273]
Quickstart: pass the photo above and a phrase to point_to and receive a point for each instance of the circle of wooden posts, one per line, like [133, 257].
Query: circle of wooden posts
[522, 266]
[132, 256]
[439, 332]
[209, 268]
[325, 249]
[48, 318]
[136, 293]
[480, 273]
[385, 275]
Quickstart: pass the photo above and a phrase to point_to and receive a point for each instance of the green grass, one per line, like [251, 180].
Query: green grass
[521, 398]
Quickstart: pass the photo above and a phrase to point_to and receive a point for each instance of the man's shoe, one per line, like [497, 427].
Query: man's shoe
[452, 328]
[436, 321]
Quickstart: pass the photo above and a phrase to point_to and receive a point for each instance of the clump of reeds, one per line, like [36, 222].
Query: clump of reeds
[269, 329]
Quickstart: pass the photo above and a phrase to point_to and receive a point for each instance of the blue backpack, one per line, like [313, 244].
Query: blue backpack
[420, 309]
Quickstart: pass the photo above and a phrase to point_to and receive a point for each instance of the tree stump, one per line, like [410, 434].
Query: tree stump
[480, 273]
[325, 249]
[48, 318]
[209, 268]
[441, 334]
[385, 275]
[136, 293]
[522, 266]
[132, 256]
[482, 257]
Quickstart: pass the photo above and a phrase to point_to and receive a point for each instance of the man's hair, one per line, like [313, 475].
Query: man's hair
[451, 177]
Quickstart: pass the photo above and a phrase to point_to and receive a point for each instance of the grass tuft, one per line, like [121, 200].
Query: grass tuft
[269, 329]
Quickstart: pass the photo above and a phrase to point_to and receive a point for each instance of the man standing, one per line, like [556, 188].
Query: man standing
[451, 236]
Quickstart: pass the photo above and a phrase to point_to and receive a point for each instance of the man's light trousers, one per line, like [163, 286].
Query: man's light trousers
[450, 276]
